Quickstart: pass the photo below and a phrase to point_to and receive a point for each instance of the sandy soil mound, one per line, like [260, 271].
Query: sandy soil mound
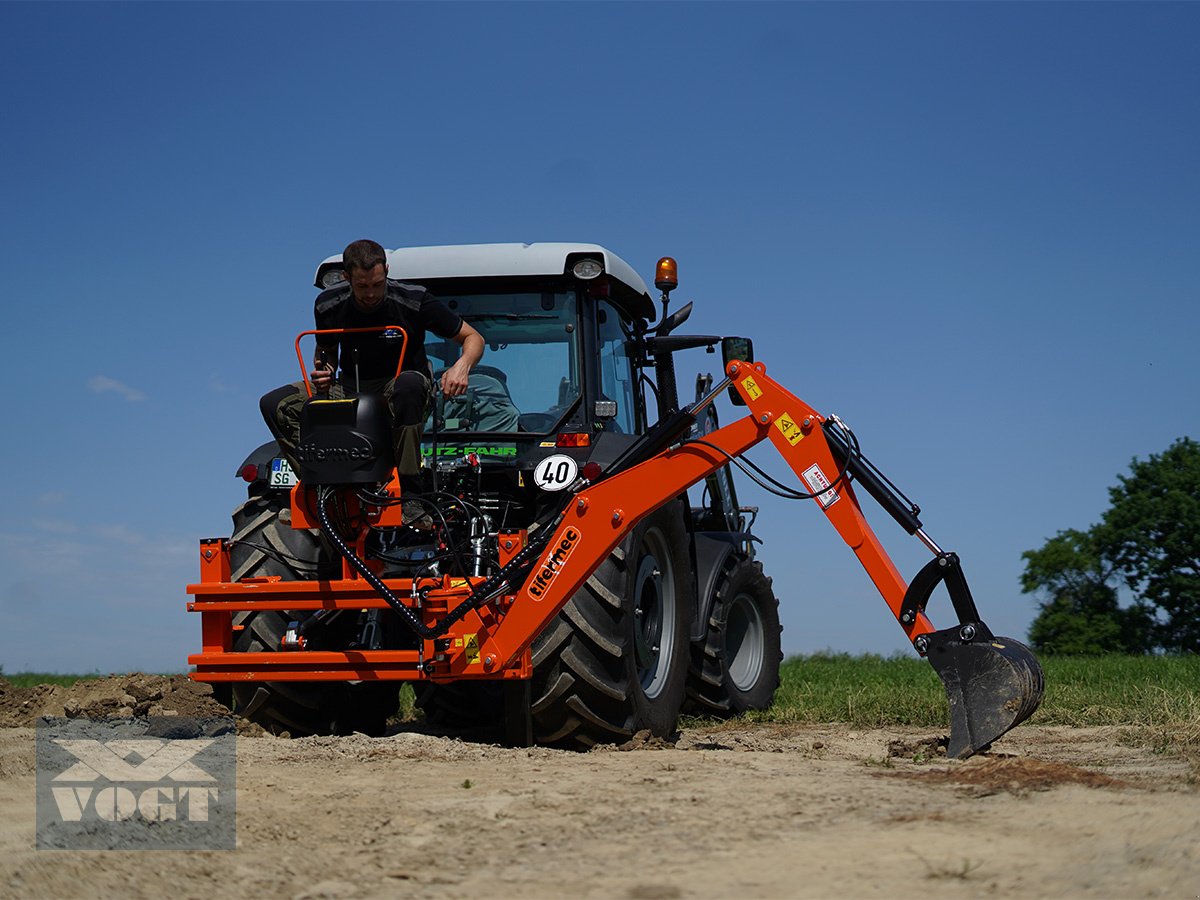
[113, 696]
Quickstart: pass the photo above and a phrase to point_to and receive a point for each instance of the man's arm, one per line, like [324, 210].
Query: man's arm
[454, 379]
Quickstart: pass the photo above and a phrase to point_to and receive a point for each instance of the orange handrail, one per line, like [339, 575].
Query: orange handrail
[304, 334]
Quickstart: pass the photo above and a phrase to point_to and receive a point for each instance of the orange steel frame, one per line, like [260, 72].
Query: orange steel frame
[381, 328]
[493, 642]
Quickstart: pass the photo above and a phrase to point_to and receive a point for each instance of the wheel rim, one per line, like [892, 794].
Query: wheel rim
[744, 638]
[654, 614]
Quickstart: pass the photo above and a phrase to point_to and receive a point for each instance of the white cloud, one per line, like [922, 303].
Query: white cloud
[100, 384]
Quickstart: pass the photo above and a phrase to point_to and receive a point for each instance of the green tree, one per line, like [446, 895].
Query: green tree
[1149, 541]
[1152, 534]
[1081, 613]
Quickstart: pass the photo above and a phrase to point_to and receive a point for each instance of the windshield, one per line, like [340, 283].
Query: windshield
[529, 375]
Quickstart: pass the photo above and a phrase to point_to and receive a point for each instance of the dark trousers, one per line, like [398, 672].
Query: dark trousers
[408, 398]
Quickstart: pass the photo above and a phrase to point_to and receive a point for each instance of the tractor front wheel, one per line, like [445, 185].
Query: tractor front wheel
[737, 667]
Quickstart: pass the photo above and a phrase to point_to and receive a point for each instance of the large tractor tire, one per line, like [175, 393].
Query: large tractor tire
[736, 668]
[614, 661]
[307, 707]
[265, 544]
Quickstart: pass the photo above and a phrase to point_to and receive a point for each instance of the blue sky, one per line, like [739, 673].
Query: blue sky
[971, 230]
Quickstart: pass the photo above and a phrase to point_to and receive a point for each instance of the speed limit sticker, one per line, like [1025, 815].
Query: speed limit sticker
[555, 473]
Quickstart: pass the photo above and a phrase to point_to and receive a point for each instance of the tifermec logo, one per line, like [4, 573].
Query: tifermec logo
[556, 557]
[163, 783]
[314, 452]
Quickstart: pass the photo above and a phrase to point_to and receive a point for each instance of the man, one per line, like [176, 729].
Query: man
[367, 299]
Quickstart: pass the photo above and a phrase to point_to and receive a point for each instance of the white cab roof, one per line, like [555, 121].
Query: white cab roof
[496, 260]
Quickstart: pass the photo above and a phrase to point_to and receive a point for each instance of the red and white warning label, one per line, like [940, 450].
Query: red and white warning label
[816, 481]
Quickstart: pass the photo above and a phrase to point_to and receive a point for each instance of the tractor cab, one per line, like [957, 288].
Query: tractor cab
[560, 376]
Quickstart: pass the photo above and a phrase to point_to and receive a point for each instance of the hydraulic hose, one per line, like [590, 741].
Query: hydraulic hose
[481, 593]
[364, 570]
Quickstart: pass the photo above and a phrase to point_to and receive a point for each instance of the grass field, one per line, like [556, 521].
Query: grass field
[1158, 696]
[29, 679]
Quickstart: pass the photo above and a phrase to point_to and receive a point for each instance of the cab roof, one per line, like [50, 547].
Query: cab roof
[421, 264]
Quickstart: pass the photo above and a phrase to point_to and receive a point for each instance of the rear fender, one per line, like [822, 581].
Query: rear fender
[713, 549]
[261, 459]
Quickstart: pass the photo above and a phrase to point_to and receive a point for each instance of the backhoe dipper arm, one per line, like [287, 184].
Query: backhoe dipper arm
[990, 687]
[601, 514]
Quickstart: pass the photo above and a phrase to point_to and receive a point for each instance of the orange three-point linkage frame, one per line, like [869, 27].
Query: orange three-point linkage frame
[380, 328]
[602, 514]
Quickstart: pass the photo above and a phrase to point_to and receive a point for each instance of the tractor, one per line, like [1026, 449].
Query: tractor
[549, 574]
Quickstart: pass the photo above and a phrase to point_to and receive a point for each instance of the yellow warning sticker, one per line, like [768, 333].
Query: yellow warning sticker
[790, 429]
[751, 387]
[472, 648]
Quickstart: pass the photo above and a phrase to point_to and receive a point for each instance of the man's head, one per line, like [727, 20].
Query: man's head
[366, 270]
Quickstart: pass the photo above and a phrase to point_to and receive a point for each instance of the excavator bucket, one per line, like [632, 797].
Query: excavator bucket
[992, 684]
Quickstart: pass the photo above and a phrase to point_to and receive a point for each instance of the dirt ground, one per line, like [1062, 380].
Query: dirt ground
[746, 811]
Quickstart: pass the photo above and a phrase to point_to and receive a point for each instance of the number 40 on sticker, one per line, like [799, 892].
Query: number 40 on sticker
[555, 473]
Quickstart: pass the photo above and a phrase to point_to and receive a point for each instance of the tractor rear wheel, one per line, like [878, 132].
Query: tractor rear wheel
[306, 707]
[614, 661]
[264, 544]
[737, 667]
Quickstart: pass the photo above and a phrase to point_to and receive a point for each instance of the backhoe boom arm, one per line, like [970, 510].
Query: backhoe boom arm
[601, 514]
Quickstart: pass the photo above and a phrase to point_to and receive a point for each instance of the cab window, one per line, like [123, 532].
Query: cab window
[528, 379]
[617, 374]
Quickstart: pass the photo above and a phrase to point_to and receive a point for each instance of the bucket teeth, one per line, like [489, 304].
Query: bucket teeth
[992, 684]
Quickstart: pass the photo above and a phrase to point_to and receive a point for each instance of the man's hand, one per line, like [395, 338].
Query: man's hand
[322, 374]
[454, 379]
[321, 379]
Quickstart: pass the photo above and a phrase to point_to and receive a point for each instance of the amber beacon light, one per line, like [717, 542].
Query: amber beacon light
[666, 275]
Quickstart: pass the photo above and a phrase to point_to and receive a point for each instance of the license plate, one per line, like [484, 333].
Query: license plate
[282, 475]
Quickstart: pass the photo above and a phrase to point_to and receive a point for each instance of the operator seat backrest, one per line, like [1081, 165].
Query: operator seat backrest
[498, 374]
[489, 399]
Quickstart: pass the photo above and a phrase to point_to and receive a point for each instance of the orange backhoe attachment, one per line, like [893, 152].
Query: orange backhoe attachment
[482, 627]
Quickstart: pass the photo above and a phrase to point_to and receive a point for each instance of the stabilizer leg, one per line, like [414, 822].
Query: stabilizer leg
[518, 718]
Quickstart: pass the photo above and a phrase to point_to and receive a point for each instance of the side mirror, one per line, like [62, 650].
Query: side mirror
[738, 349]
